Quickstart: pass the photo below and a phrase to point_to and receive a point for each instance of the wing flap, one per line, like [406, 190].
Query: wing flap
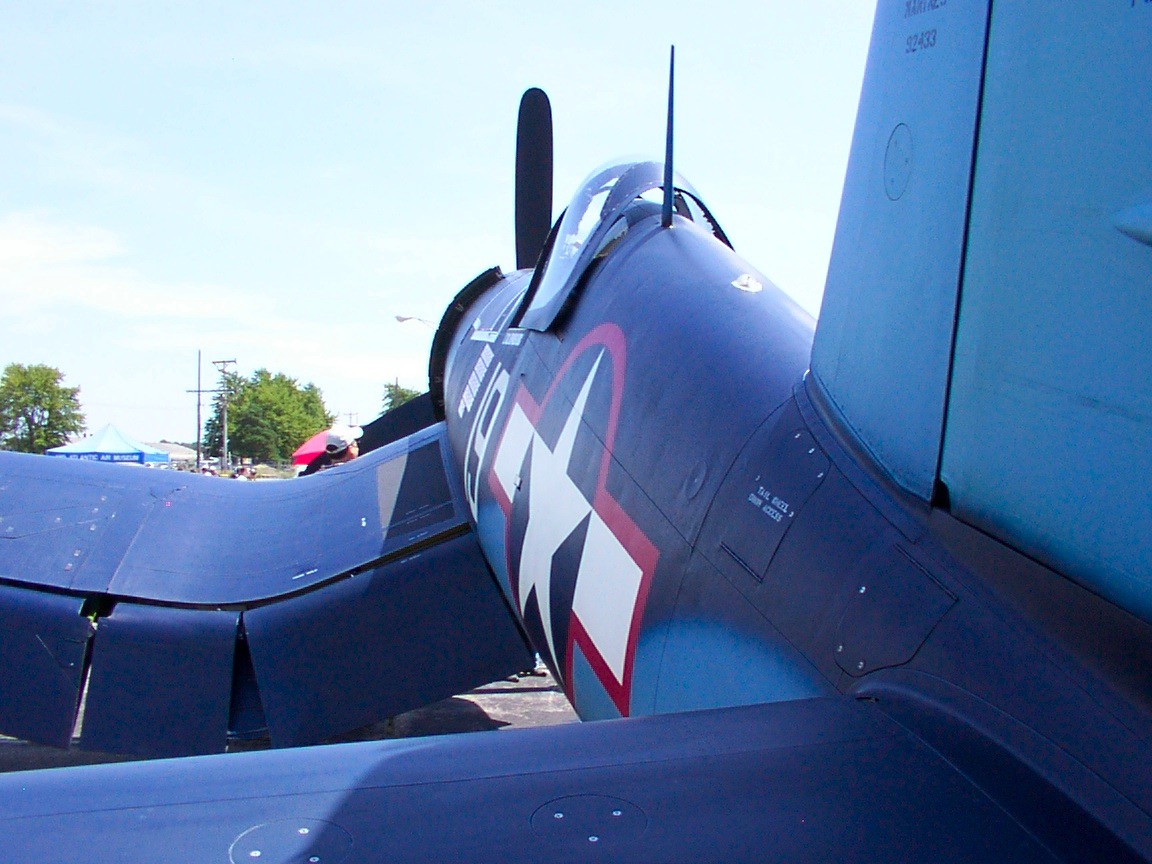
[43, 643]
[390, 639]
[357, 593]
[161, 681]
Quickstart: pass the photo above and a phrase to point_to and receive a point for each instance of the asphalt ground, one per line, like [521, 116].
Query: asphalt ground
[511, 703]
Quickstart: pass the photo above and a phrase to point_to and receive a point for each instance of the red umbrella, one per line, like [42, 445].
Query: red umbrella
[311, 448]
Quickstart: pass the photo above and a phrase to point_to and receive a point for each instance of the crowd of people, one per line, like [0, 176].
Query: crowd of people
[240, 472]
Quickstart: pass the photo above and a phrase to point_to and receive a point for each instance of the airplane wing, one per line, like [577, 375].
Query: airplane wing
[152, 611]
[809, 781]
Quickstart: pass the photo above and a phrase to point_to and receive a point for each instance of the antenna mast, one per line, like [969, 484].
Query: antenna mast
[666, 213]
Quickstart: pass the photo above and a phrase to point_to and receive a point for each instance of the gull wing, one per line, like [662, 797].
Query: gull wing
[181, 607]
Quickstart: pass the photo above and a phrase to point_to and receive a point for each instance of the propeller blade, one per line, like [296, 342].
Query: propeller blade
[533, 176]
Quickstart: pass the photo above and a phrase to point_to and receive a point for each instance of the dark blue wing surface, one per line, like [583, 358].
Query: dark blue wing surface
[329, 582]
[812, 781]
[43, 642]
[155, 668]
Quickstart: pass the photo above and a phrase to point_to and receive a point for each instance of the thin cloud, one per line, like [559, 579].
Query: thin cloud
[48, 266]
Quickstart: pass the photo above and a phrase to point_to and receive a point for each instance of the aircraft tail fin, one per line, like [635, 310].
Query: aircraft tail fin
[884, 336]
[983, 332]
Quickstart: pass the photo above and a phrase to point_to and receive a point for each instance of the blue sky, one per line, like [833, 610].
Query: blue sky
[275, 183]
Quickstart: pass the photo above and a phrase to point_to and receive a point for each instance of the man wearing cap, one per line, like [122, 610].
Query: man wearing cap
[341, 445]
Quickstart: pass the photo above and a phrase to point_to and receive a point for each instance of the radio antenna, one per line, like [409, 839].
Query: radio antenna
[666, 213]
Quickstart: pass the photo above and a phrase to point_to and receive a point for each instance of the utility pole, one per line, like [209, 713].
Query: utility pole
[222, 368]
[199, 404]
[199, 391]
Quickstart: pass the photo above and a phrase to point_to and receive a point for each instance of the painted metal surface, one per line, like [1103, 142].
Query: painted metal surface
[586, 516]
[349, 585]
[408, 419]
[1049, 439]
[43, 643]
[891, 614]
[719, 648]
[385, 641]
[884, 342]
[832, 582]
[680, 519]
[741, 784]
[533, 176]
[58, 516]
[187, 539]
[161, 681]
[775, 475]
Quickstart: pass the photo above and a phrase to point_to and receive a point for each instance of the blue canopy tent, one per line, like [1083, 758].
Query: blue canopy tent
[109, 445]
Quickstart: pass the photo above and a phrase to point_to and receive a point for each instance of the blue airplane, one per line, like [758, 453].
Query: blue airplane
[873, 588]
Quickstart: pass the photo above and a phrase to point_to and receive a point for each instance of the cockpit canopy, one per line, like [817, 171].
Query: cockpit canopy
[612, 199]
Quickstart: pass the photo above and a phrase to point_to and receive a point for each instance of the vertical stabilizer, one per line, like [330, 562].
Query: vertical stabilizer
[884, 339]
[985, 321]
[1048, 442]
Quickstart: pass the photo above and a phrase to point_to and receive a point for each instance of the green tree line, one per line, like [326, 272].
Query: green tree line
[269, 416]
[36, 410]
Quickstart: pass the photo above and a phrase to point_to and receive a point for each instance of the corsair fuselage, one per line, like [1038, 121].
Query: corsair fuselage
[678, 521]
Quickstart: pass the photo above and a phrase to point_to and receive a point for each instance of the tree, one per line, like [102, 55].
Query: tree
[227, 392]
[36, 410]
[395, 396]
[269, 416]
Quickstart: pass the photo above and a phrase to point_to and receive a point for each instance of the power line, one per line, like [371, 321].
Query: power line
[222, 366]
